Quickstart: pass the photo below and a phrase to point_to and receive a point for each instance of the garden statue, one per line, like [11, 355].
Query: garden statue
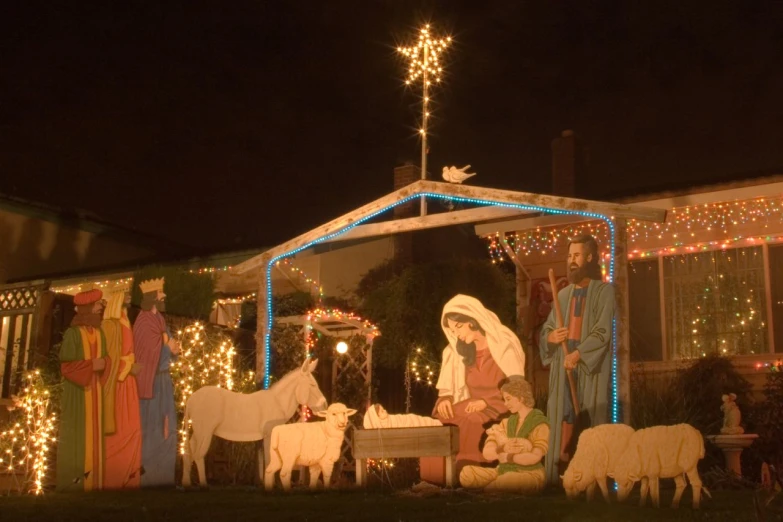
[661, 452]
[246, 417]
[597, 453]
[732, 439]
[518, 443]
[83, 363]
[585, 331]
[154, 350]
[121, 397]
[377, 417]
[454, 175]
[314, 444]
[481, 353]
[731, 416]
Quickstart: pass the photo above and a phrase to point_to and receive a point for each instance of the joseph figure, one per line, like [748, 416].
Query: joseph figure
[588, 307]
[154, 351]
[83, 359]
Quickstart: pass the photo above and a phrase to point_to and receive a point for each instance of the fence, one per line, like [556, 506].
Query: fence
[21, 307]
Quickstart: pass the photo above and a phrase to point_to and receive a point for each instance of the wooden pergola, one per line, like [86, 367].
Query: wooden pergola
[495, 204]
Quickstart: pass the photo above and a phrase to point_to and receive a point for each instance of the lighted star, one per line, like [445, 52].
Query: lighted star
[424, 57]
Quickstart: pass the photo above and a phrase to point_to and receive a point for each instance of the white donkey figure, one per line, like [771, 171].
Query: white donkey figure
[246, 417]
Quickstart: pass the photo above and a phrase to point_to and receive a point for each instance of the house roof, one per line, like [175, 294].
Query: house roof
[734, 181]
[768, 186]
[494, 204]
[85, 220]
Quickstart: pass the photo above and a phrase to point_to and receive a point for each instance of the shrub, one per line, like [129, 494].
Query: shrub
[766, 419]
[187, 294]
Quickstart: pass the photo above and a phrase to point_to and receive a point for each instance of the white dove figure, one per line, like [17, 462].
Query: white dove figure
[454, 175]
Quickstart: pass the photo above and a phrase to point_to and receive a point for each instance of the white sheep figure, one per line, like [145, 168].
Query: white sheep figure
[313, 444]
[661, 452]
[597, 453]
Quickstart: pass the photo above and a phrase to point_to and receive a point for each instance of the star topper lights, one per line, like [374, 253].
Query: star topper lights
[424, 64]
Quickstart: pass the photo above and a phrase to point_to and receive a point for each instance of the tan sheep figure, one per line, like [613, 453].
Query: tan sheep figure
[661, 452]
[313, 444]
[596, 456]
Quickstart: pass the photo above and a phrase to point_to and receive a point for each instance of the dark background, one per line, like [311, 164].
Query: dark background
[226, 125]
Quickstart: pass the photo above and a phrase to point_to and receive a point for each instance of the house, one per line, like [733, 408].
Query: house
[708, 280]
[38, 241]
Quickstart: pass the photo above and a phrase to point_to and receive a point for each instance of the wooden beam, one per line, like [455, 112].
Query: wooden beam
[540, 221]
[443, 219]
[336, 226]
[618, 210]
[289, 278]
[332, 227]
[261, 319]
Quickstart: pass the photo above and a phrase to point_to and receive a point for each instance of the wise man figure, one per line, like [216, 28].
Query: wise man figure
[154, 350]
[588, 312]
[83, 361]
[121, 397]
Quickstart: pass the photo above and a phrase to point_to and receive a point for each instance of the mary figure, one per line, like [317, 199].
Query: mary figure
[481, 354]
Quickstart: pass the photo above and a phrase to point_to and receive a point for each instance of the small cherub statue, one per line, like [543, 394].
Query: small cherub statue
[731, 416]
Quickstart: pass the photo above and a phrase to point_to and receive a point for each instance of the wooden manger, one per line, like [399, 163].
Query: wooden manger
[397, 443]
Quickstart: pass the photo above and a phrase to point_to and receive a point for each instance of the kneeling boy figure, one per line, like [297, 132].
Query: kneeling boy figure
[519, 443]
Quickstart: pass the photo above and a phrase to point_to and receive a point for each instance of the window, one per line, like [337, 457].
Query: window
[715, 303]
[776, 282]
[645, 310]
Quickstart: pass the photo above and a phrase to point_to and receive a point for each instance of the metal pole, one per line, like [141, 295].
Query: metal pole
[424, 118]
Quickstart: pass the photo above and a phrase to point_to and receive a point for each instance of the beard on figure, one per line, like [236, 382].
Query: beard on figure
[576, 273]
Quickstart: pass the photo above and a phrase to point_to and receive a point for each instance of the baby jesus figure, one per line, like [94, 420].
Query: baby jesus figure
[377, 417]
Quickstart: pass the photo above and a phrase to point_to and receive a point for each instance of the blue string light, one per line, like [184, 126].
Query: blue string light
[474, 201]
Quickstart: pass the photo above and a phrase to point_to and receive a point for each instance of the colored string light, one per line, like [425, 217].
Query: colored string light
[103, 285]
[679, 231]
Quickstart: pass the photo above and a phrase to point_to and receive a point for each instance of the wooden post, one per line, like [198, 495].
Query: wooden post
[368, 375]
[523, 303]
[261, 326]
[768, 295]
[623, 337]
[662, 298]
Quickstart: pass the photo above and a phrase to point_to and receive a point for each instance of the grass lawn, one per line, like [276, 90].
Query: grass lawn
[246, 504]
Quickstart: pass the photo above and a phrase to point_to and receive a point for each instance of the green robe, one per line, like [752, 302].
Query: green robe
[594, 370]
[80, 456]
[532, 420]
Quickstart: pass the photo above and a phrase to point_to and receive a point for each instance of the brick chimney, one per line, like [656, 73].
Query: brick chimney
[403, 243]
[403, 176]
[567, 164]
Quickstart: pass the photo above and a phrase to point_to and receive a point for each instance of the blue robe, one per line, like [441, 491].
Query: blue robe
[158, 421]
[158, 452]
[593, 372]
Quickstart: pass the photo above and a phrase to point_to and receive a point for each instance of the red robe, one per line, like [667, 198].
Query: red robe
[123, 440]
[483, 381]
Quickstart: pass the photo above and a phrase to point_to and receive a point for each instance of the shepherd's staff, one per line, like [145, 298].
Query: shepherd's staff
[559, 323]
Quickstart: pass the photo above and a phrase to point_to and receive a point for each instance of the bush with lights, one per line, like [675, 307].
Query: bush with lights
[28, 438]
[209, 358]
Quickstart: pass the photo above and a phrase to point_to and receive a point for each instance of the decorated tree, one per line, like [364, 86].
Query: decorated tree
[27, 439]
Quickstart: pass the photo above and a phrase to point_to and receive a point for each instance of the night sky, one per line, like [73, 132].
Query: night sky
[236, 124]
